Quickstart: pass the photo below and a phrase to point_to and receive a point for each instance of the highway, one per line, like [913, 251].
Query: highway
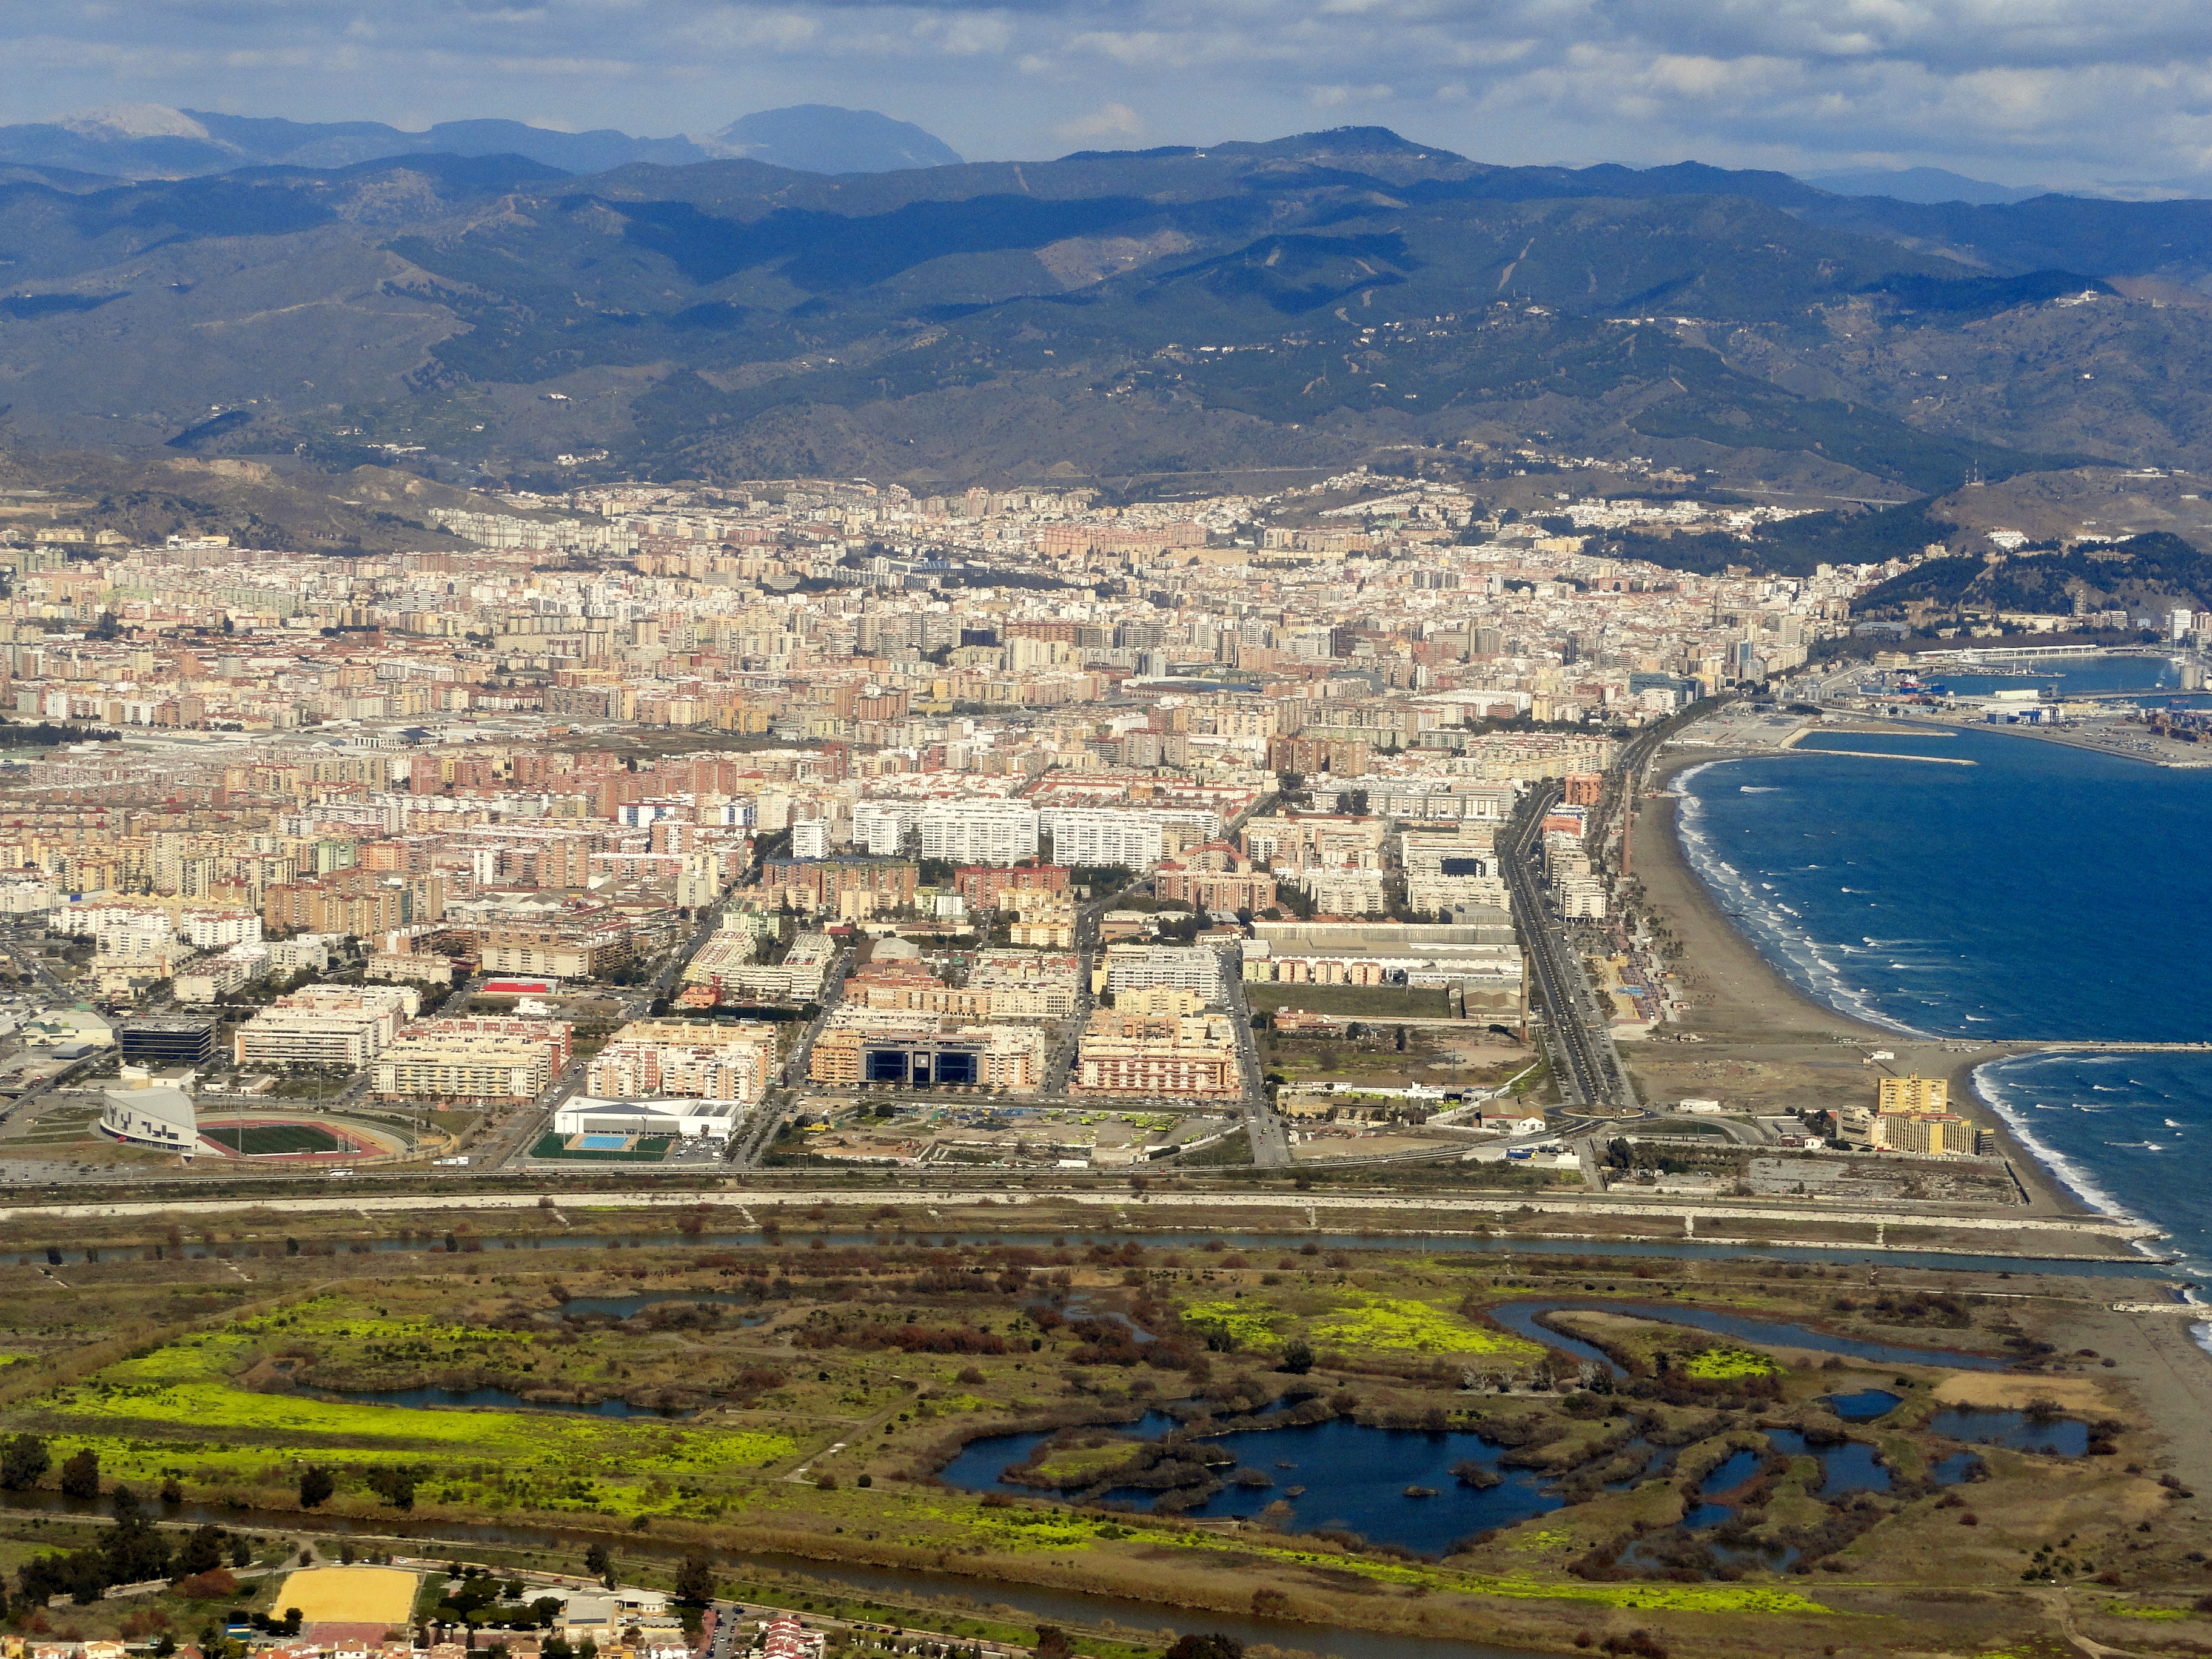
[1589, 1073]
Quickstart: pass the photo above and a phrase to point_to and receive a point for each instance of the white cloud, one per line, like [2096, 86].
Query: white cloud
[1107, 121]
[1329, 97]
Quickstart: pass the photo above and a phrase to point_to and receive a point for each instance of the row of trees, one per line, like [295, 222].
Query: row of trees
[394, 1485]
[133, 1552]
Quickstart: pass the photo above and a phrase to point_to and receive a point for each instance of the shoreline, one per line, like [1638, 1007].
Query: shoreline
[1744, 998]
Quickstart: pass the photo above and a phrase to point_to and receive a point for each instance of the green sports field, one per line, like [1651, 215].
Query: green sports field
[258, 1140]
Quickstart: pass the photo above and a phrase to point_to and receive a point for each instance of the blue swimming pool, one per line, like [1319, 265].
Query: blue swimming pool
[602, 1142]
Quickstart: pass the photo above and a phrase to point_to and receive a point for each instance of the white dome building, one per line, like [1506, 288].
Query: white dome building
[144, 1113]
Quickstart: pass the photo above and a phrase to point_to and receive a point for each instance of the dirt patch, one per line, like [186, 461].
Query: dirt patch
[2073, 1394]
[356, 1595]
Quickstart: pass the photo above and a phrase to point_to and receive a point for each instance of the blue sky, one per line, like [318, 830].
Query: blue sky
[2064, 92]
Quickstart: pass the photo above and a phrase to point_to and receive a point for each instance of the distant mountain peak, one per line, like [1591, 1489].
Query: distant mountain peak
[1928, 186]
[826, 138]
[1341, 141]
[131, 121]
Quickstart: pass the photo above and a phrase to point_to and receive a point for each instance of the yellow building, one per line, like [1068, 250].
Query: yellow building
[1159, 999]
[1934, 1135]
[484, 1070]
[1914, 1094]
[1043, 918]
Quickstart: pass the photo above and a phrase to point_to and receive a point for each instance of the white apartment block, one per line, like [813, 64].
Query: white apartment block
[1345, 892]
[1105, 834]
[879, 830]
[1437, 893]
[325, 1025]
[978, 832]
[699, 882]
[1581, 898]
[1131, 967]
[485, 1070]
[694, 1059]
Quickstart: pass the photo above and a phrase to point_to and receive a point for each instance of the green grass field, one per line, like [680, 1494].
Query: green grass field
[180, 1405]
[257, 1139]
[1350, 1001]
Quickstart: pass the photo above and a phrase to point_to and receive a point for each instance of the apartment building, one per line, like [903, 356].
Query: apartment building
[559, 949]
[472, 1060]
[1929, 1133]
[802, 975]
[1913, 1094]
[1302, 840]
[993, 832]
[458, 1070]
[701, 1059]
[325, 1025]
[814, 884]
[982, 886]
[1236, 888]
[1163, 1055]
[1133, 966]
[1105, 836]
[1345, 892]
[1043, 920]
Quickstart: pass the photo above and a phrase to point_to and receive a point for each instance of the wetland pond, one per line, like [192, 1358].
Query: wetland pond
[1334, 1475]
[1401, 1486]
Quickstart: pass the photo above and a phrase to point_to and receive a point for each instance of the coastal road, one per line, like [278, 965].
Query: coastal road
[1590, 1074]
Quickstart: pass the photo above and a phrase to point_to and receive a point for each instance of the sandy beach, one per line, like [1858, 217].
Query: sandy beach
[1764, 1044]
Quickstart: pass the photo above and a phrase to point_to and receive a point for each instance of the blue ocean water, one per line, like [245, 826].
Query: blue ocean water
[2041, 892]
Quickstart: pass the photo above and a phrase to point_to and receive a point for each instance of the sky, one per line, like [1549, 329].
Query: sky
[2025, 92]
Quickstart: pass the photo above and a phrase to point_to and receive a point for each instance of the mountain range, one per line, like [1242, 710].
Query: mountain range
[152, 141]
[1308, 301]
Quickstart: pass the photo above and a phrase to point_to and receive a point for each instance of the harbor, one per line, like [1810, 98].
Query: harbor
[2085, 697]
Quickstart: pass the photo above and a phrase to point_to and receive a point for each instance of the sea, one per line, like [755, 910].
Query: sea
[2041, 892]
